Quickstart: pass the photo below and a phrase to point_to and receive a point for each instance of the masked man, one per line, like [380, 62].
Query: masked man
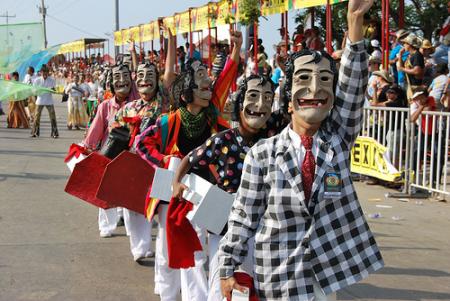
[226, 151]
[296, 197]
[120, 84]
[196, 119]
[137, 116]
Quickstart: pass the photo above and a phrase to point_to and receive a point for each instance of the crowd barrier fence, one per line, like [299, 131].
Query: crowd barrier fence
[419, 150]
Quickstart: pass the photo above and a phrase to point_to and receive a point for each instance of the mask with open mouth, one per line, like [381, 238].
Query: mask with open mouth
[312, 88]
[147, 78]
[202, 92]
[121, 80]
[257, 106]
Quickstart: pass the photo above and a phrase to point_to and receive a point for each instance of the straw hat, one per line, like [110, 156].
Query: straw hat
[413, 40]
[384, 75]
[426, 44]
[401, 34]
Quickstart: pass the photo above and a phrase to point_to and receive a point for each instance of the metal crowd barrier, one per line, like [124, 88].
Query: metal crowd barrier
[422, 159]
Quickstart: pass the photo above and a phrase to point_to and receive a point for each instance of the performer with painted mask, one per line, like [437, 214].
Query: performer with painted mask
[196, 119]
[136, 116]
[226, 151]
[296, 196]
[120, 85]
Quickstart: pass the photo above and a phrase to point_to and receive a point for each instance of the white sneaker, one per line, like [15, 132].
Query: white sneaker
[149, 254]
[138, 257]
[105, 234]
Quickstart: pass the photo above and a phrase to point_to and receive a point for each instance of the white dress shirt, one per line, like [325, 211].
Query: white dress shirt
[300, 149]
[45, 99]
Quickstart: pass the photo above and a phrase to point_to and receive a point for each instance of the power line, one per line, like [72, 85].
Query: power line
[74, 27]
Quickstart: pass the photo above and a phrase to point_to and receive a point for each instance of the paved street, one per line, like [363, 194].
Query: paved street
[50, 247]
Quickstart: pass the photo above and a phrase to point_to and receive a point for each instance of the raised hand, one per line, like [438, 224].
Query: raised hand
[236, 37]
[359, 7]
[355, 18]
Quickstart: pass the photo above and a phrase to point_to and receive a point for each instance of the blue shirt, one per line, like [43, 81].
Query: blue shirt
[399, 76]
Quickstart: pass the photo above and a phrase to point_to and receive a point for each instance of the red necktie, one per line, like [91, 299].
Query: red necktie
[308, 167]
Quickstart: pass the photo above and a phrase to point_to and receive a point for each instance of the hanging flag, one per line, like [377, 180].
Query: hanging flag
[37, 60]
[273, 7]
[18, 41]
[14, 91]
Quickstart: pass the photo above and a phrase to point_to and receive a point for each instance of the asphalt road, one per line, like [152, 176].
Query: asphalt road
[50, 247]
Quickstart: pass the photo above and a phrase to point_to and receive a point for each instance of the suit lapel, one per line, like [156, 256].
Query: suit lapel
[286, 160]
[323, 162]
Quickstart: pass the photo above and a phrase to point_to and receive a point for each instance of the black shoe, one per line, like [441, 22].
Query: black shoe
[55, 136]
[33, 136]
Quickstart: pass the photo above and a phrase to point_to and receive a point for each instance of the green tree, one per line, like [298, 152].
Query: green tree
[424, 17]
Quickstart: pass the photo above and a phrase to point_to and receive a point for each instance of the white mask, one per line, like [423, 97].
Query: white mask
[202, 94]
[312, 89]
[121, 80]
[257, 106]
[146, 79]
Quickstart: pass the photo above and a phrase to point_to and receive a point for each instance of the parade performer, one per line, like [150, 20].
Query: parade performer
[17, 116]
[226, 151]
[120, 85]
[296, 197]
[45, 100]
[196, 119]
[137, 116]
[77, 116]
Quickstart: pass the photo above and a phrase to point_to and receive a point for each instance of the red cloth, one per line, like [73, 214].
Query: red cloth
[308, 167]
[182, 240]
[246, 280]
[75, 150]
[135, 123]
[432, 105]
[445, 30]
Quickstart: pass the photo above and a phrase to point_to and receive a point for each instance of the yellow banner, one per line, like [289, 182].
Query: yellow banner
[147, 32]
[117, 38]
[271, 7]
[200, 18]
[297, 4]
[223, 13]
[169, 22]
[182, 22]
[368, 157]
[75, 46]
[134, 34]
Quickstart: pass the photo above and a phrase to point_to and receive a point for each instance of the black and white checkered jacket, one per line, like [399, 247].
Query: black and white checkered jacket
[329, 239]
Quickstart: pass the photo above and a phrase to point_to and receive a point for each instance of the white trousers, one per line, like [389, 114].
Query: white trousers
[107, 220]
[214, 277]
[168, 282]
[140, 231]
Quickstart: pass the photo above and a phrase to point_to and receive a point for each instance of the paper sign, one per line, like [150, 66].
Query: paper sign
[212, 205]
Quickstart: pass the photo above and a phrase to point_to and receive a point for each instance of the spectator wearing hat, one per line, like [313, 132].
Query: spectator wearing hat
[375, 49]
[395, 98]
[414, 66]
[422, 102]
[374, 65]
[315, 42]
[399, 77]
[427, 50]
[380, 85]
[443, 50]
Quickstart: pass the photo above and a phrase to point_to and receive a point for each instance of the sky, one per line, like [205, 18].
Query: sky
[69, 20]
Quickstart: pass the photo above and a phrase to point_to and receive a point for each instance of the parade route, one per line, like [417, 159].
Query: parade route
[50, 247]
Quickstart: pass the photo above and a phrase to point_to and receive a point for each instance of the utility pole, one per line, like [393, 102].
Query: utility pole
[117, 27]
[43, 11]
[7, 16]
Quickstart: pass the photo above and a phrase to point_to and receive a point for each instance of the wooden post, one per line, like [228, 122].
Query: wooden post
[329, 30]
[255, 46]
